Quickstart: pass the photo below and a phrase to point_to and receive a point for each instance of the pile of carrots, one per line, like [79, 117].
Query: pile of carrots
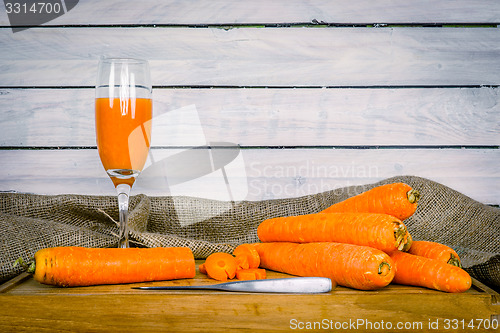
[360, 243]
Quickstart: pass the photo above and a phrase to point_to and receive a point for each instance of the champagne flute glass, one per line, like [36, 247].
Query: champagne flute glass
[123, 114]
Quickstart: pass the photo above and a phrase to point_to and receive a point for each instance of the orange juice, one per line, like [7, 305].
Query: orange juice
[123, 128]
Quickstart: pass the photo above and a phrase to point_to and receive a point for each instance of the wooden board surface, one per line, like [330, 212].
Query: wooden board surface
[257, 57]
[28, 305]
[277, 12]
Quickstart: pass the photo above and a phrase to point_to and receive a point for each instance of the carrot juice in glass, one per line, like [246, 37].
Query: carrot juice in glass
[123, 115]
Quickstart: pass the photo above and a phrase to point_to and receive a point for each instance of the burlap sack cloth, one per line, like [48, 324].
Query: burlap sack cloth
[32, 222]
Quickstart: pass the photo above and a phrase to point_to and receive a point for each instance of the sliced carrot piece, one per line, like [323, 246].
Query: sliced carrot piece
[242, 262]
[221, 266]
[202, 268]
[251, 274]
[248, 251]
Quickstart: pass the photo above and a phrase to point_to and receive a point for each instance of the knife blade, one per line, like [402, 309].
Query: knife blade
[305, 285]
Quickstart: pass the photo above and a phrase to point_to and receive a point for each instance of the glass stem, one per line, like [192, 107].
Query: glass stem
[123, 191]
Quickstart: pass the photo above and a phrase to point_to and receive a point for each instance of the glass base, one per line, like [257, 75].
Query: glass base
[123, 173]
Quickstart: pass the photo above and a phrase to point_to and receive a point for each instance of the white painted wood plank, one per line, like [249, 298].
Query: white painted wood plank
[267, 117]
[277, 11]
[257, 57]
[268, 173]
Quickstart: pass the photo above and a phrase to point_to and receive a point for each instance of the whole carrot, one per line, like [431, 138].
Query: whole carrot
[348, 265]
[435, 250]
[79, 266]
[430, 273]
[381, 231]
[397, 199]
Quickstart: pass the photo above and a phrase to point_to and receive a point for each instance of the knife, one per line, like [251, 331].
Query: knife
[304, 285]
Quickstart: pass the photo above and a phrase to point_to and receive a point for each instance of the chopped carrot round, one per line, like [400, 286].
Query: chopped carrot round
[242, 262]
[251, 274]
[251, 254]
[221, 266]
[202, 268]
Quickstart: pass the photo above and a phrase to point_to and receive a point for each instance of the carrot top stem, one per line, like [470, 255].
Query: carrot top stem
[384, 268]
[413, 195]
[399, 235]
[32, 267]
[29, 267]
[454, 261]
[409, 241]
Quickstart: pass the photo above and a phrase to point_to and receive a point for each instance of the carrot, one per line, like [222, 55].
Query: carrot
[247, 253]
[435, 250]
[221, 266]
[381, 231]
[397, 199]
[348, 265]
[242, 262]
[202, 268]
[251, 274]
[419, 271]
[79, 266]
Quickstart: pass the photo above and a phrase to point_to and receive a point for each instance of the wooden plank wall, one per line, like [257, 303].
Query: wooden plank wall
[316, 94]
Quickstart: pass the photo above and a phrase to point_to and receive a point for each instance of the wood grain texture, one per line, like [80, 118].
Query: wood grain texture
[198, 313]
[300, 117]
[262, 173]
[257, 57]
[277, 12]
[31, 306]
